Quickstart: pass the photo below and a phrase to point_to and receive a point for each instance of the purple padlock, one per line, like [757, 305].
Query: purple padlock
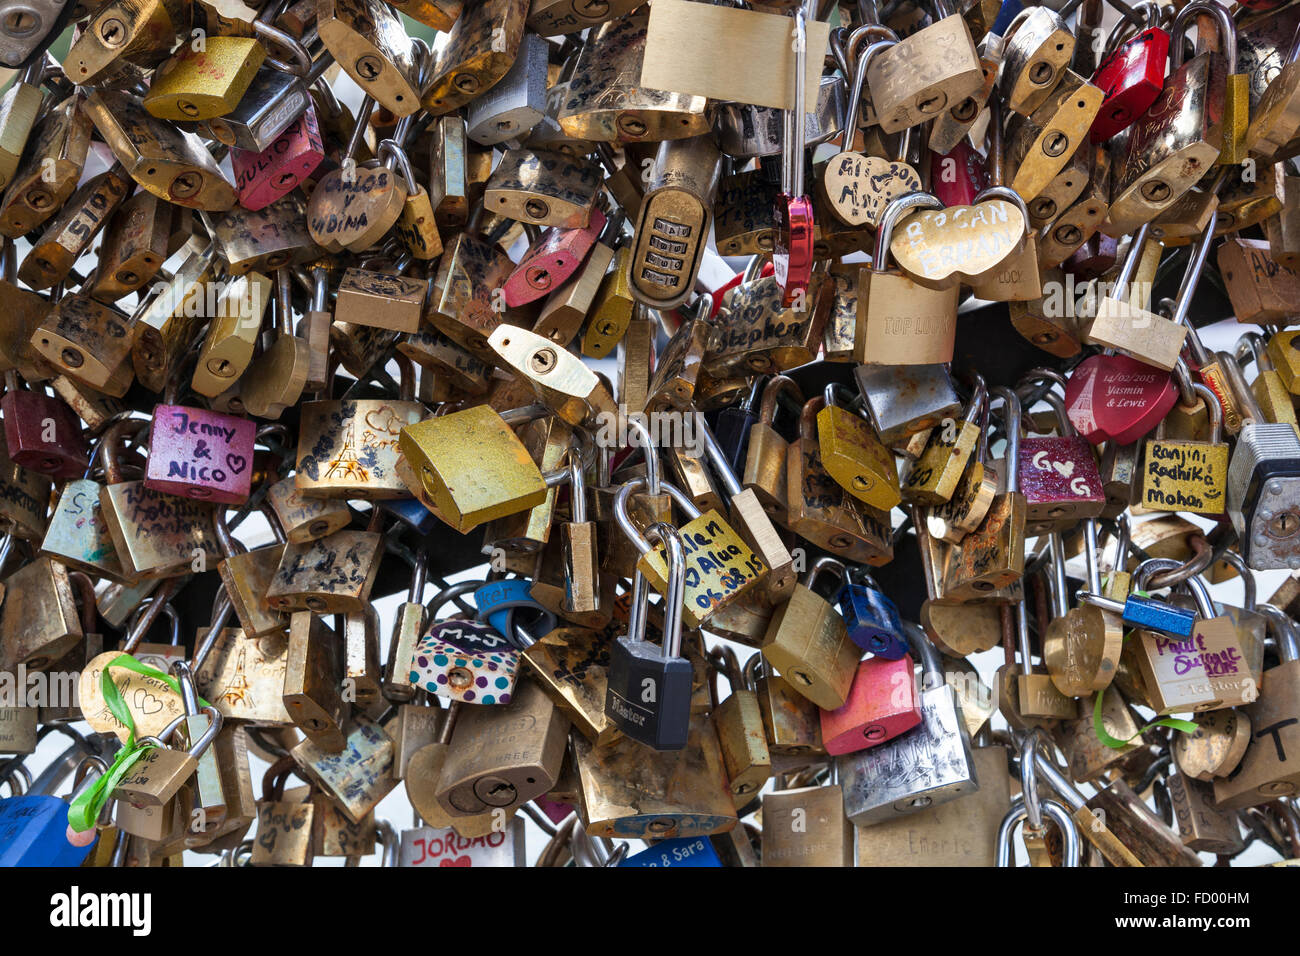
[262, 178]
[196, 453]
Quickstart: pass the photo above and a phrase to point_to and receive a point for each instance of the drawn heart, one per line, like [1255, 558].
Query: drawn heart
[1064, 468]
[1117, 398]
[860, 187]
[459, 861]
[236, 463]
[146, 703]
[940, 248]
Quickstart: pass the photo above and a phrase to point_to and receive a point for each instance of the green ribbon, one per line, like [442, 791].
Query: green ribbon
[1115, 743]
[85, 807]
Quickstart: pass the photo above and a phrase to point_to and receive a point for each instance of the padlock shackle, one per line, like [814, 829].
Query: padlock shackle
[1182, 379]
[1252, 344]
[1247, 404]
[932, 675]
[144, 616]
[1227, 34]
[636, 426]
[1123, 535]
[1213, 409]
[577, 490]
[771, 391]
[1060, 784]
[450, 593]
[1011, 415]
[1092, 558]
[624, 520]
[1249, 591]
[1011, 196]
[1064, 822]
[1284, 631]
[808, 418]
[1029, 778]
[895, 209]
[222, 608]
[1149, 11]
[185, 680]
[1060, 583]
[674, 602]
[1131, 259]
[793, 143]
[273, 36]
[849, 122]
[1195, 586]
[717, 457]
[978, 402]
[1023, 647]
[1191, 278]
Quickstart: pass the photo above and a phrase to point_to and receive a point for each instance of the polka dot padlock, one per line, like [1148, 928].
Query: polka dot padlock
[465, 661]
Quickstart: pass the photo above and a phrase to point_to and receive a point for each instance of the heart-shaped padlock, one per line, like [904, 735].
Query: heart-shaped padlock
[1117, 398]
[939, 248]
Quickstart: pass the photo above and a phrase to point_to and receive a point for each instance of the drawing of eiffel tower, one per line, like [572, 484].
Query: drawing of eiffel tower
[346, 460]
[237, 690]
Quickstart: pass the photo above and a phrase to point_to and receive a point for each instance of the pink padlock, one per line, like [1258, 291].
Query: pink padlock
[196, 453]
[882, 704]
[262, 178]
[551, 260]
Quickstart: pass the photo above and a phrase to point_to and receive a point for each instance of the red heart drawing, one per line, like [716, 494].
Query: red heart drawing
[1117, 398]
[459, 861]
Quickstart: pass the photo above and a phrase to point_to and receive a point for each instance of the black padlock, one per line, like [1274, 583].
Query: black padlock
[649, 693]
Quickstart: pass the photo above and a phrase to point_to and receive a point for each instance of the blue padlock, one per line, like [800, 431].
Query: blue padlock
[33, 832]
[683, 851]
[1147, 613]
[412, 513]
[496, 600]
[1006, 13]
[872, 618]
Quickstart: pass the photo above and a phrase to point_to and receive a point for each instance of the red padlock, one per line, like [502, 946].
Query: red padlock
[551, 261]
[792, 246]
[42, 433]
[882, 704]
[198, 453]
[1117, 398]
[1093, 259]
[1131, 77]
[262, 178]
[958, 176]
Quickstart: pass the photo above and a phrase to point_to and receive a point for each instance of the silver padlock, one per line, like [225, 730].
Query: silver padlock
[515, 105]
[903, 400]
[1263, 493]
[746, 131]
[924, 767]
[274, 99]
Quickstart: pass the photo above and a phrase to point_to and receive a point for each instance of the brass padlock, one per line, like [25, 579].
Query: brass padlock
[369, 42]
[55, 159]
[167, 161]
[201, 82]
[480, 49]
